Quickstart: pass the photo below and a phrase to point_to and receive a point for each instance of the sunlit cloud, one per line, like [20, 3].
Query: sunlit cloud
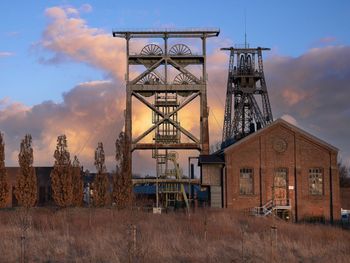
[314, 89]
[310, 91]
[291, 96]
[289, 119]
[89, 113]
[68, 35]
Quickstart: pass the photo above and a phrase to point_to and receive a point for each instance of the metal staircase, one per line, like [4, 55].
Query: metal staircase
[264, 210]
[270, 207]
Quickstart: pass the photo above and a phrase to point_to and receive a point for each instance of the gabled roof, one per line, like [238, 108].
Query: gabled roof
[285, 124]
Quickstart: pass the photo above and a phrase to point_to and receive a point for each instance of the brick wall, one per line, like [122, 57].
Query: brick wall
[43, 183]
[298, 154]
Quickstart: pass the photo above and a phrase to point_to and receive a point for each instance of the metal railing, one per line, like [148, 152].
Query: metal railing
[271, 205]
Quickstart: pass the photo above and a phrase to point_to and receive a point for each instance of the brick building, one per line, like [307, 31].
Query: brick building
[44, 194]
[43, 185]
[279, 168]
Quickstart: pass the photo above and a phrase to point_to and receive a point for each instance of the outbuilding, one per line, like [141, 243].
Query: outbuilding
[280, 168]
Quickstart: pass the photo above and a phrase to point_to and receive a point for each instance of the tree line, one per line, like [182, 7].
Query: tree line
[67, 176]
[344, 174]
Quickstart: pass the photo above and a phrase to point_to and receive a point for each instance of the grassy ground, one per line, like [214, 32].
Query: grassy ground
[105, 235]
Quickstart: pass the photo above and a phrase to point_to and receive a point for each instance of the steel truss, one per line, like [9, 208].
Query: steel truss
[154, 83]
[245, 82]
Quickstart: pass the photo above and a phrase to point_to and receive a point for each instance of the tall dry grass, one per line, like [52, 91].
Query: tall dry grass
[105, 235]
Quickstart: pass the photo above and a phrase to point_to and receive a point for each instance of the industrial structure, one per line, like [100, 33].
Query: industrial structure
[166, 85]
[245, 82]
[264, 167]
[267, 167]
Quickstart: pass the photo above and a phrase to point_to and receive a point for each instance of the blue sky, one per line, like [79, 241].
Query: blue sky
[61, 70]
[289, 27]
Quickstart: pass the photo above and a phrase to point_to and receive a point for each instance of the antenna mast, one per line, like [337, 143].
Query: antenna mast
[245, 28]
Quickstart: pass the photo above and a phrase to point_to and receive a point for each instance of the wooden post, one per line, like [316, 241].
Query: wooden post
[134, 231]
[132, 241]
[273, 243]
[23, 238]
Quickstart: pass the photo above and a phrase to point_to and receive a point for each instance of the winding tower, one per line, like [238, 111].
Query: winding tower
[246, 82]
[166, 96]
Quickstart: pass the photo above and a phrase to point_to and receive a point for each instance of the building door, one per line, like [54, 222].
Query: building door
[280, 187]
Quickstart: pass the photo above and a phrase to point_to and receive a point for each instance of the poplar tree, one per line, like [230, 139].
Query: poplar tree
[4, 188]
[77, 181]
[26, 186]
[122, 181]
[61, 175]
[101, 182]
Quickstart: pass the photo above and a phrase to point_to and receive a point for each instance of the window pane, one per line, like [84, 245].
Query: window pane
[315, 181]
[246, 181]
[280, 192]
[280, 179]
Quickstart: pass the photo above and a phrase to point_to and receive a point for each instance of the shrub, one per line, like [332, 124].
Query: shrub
[61, 175]
[26, 186]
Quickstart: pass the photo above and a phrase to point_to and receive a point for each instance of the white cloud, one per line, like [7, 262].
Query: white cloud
[310, 90]
[68, 36]
[290, 119]
[6, 54]
[86, 8]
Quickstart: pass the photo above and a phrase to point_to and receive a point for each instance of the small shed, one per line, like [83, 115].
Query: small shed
[212, 177]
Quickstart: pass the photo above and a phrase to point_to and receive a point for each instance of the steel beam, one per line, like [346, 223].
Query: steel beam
[183, 70]
[166, 118]
[167, 32]
[245, 80]
[172, 146]
[166, 94]
[147, 71]
[161, 180]
[170, 87]
[245, 50]
[187, 60]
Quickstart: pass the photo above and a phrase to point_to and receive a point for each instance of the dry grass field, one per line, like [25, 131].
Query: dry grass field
[105, 235]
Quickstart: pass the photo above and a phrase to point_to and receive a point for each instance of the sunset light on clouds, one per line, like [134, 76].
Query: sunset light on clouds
[64, 72]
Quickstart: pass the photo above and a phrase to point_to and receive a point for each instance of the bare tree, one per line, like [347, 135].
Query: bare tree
[4, 188]
[344, 174]
[26, 185]
[77, 182]
[101, 183]
[61, 175]
[122, 185]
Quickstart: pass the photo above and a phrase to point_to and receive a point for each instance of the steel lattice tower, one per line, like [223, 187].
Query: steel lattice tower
[166, 97]
[246, 81]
